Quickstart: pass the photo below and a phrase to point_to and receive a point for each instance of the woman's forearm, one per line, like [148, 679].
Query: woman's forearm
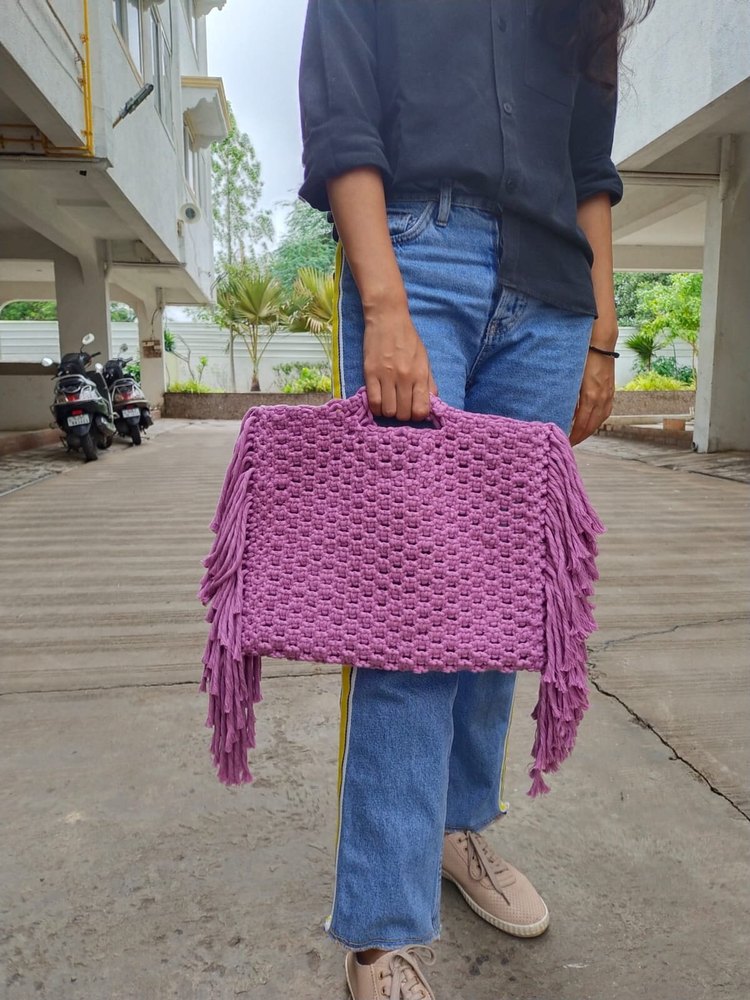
[595, 219]
[396, 366]
[357, 201]
[598, 384]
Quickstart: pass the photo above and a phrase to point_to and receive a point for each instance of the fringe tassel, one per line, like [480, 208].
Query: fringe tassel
[571, 529]
[230, 676]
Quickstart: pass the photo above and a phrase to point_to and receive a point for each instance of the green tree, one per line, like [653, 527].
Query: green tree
[242, 231]
[644, 344]
[307, 242]
[673, 311]
[47, 312]
[629, 288]
[311, 306]
[17, 311]
[120, 313]
[259, 309]
[225, 315]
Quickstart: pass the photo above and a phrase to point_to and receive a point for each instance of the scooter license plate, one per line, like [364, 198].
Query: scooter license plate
[82, 418]
[133, 412]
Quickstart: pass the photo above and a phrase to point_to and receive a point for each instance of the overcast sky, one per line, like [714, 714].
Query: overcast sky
[254, 45]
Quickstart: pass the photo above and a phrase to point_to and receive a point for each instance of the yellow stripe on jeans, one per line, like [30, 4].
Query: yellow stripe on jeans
[347, 673]
[503, 805]
[336, 379]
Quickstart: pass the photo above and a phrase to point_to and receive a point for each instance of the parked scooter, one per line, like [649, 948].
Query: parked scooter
[131, 408]
[82, 408]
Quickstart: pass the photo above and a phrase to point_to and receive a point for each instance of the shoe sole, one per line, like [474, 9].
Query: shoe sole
[517, 930]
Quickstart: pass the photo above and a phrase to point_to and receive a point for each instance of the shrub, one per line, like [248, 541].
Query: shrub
[654, 382]
[309, 382]
[670, 368]
[296, 376]
[190, 386]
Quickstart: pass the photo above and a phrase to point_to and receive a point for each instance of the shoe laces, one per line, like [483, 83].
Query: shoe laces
[483, 862]
[407, 981]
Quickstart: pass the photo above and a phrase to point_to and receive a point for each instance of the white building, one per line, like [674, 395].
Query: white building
[93, 209]
[683, 145]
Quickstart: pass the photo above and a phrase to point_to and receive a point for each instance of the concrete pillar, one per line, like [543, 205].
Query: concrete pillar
[82, 295]
[722, 408]
[150, 315]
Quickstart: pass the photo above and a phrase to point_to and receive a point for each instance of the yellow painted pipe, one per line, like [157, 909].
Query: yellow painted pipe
[84, 80]
[88, 106]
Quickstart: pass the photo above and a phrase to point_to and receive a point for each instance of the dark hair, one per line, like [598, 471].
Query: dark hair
[593, 32]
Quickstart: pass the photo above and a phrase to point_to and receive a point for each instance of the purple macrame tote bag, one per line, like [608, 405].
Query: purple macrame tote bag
[466, 544]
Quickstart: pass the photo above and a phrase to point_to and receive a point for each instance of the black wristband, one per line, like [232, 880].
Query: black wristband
[600, 350]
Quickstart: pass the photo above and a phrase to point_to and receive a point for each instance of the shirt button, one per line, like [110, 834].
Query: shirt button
[502, 23]
[510, 184]
[507, 107]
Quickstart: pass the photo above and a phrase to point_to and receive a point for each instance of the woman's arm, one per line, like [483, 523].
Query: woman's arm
[397, 369]
[345, 166]
[598, 385]
[598, 187]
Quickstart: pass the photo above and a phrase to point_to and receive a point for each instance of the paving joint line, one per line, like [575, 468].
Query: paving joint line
[157, 684]
[671, 467]
[665, 742]
[609, 643]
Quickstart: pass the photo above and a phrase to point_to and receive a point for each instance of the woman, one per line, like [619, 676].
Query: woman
[464, 150]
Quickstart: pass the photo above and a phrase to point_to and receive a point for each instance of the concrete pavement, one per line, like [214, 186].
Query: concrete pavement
[129, 873]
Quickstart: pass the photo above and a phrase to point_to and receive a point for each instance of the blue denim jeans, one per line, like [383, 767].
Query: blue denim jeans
[422, 754]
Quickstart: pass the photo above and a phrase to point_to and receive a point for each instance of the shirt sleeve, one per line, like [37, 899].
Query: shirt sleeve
[339, 101]
[591, 134]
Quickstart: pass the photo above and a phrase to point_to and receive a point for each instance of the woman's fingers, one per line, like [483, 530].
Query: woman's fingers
[389, 398]
[397, 369]
[595, 399]
[374, 396]
[589, 416]
[420, 401]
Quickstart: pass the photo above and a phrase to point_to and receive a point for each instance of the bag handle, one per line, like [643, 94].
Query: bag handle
[438, 411]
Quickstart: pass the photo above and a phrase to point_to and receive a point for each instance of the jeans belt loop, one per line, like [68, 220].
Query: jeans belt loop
[444, 209]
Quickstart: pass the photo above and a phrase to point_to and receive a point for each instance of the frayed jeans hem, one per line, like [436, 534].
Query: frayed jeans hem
[383, 945]
[477, 827]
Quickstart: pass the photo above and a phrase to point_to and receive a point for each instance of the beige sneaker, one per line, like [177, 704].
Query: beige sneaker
[396, 976]
[495, 890]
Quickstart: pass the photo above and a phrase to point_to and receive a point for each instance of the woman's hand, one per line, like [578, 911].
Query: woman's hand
[598, 384]
[397, 369]
[595, 398]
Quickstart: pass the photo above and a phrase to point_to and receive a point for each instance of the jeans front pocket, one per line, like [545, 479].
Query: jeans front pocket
[408, 220]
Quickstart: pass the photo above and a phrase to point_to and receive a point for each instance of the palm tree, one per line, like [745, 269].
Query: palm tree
[258, 305]
[645, 343]
[226, 316]
[312, 305]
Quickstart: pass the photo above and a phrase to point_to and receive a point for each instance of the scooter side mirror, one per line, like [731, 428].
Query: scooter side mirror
[123, 348]
[47, 362]
[88, 339]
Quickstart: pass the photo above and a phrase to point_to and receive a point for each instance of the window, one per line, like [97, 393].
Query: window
[161, 69]
[127, 17]
[192, 21]
[192, 165]
[189, 162]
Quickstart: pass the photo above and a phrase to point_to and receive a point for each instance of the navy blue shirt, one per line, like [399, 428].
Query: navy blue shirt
[471, 91]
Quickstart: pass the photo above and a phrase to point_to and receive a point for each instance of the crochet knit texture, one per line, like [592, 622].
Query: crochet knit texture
[468, 544]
